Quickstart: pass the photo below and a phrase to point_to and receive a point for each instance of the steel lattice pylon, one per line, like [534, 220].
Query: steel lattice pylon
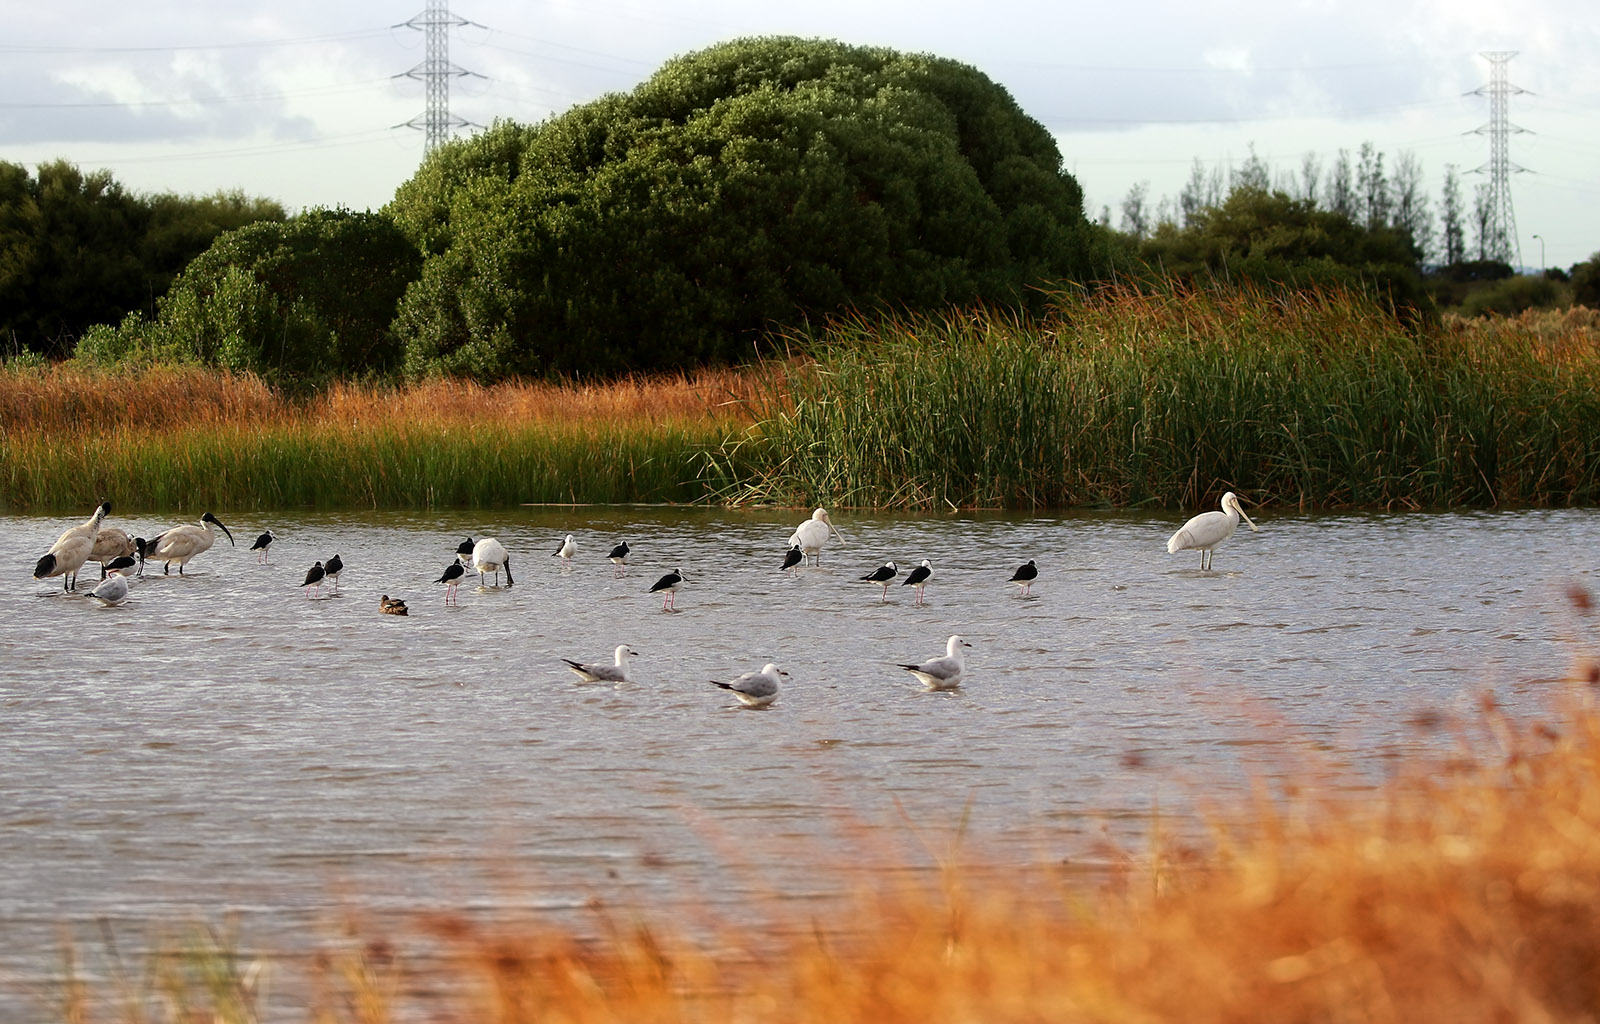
[1501, 242]
[435, 72]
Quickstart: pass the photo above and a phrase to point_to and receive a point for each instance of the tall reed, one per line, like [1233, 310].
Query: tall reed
[186, 439]
[1130, 397]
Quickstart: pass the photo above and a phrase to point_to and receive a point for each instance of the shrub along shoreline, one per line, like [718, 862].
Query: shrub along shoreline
[1121, 398]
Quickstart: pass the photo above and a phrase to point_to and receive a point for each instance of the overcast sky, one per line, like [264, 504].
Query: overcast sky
[300, 101]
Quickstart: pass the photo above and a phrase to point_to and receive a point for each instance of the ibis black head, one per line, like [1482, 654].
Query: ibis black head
[105, 506]
[46, 566]
[465, 547]
[209, 518]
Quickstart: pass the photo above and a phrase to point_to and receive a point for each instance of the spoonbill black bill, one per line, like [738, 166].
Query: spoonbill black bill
[489, 555]
[668, 587]
[1208, 529]
[1024, 577]
[942, 673]
[451, 578]
[181, 543]
[755, 689]
[599, 672]
[918, 578]
[261, 545]
[883, 574]
[812, 534]
[67, 555]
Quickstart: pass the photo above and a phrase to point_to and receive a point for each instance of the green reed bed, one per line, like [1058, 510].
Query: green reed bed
[391, 466]
[1131, 397]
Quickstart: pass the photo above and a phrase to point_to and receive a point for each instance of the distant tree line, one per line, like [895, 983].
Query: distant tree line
[78, 249]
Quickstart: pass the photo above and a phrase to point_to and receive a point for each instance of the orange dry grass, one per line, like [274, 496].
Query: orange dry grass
[1464, 891]
[67, 400]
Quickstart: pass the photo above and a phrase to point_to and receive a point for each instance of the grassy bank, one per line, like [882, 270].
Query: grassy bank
[1131, 398]
[190, 439]
[1463, 891]
[1125, 398]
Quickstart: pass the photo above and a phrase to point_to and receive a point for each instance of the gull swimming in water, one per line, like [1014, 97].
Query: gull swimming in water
[602, 673]
[942, 673]
[755, 689]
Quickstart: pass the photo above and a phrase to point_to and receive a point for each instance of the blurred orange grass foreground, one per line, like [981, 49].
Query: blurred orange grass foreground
[1464, 889]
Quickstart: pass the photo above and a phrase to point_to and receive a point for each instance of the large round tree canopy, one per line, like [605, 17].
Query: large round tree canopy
[753, 184]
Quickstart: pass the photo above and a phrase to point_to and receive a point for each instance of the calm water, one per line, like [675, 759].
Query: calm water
[222, 744]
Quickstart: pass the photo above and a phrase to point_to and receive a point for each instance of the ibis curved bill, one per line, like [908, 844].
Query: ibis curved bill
[942, 673]
[755, 689]
[1208, 529]
[182, 543]
[74, 547]
[617, 672]
[812, 534]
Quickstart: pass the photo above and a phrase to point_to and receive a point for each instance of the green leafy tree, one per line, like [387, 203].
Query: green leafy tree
[1586, 283]
[303, 299]
[755, 183]
[1273, 239]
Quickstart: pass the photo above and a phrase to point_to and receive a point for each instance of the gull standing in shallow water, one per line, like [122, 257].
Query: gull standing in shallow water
[942, 673]
[600, 673]
[112, 590]
[755, 689]
[1208, 529]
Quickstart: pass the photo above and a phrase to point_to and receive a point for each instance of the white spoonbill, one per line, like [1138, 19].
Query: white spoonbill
[602, 673]
[812, 534]
[942, 673]
[67, 555]
[489, 555]
[112, 590]
[882, 574]
[919, 577]
[668, 586]
[1208, 529]
[755, 689]
[182, 543]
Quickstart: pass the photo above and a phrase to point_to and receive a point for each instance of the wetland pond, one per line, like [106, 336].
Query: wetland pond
[222, 745]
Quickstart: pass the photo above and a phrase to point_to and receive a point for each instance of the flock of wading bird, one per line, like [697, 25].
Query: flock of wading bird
[122, 558]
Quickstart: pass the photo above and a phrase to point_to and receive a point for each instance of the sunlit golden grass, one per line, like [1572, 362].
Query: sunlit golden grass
[1464, 889]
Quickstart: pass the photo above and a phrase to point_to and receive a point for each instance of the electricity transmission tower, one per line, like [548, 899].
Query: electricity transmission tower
[435, 72]
[1500, 240]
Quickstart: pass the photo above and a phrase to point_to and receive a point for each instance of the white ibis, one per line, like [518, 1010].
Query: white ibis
[111, 543]
[1208, 529]
[617, 672]
[181, 543]
[942, 673]
[67, 555]
[755, 689]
